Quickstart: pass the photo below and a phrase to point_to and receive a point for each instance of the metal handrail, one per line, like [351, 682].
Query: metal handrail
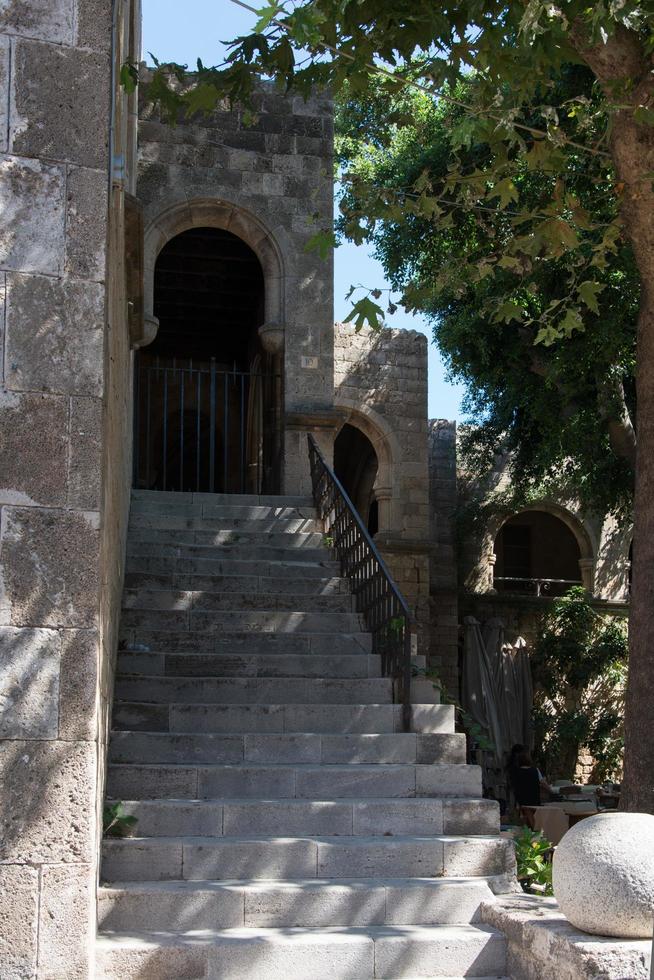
[540, 584]
[376, 595]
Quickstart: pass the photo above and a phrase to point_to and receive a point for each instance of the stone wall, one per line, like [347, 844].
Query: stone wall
[380, 382]
[55, 101]
[270, 183]
[603, 544]
[117, 420]
[443, 569]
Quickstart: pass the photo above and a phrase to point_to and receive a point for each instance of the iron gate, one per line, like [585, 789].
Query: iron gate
[204, 429]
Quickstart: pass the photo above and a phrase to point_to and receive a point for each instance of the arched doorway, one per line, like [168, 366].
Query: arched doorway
[207, 394]
[536, 553]
[356, 466]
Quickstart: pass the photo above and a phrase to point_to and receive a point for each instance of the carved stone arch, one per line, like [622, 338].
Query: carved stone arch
[215, 213]
[587, 546]
[385, 443]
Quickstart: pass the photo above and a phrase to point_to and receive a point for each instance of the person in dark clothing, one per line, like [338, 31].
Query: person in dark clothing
[512, 768]
[527, 783]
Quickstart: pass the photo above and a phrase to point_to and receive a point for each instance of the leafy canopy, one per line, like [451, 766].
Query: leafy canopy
[551, 404]
[514, 51]
[579, 667]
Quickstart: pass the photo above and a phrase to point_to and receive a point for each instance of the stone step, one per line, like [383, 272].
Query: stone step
[256, 551]
[226, 539]
[204, 599]
[242, 718]
[129, 781]
[194, 521]
[324, 818]
[246, 620]
[218, 858]
[340, 953]
[253, 513]
[236, 643]
[253, 690]
[257, 665]
[294, 567]
[156, 497]
[271, 749]
[308, 903]
[240, 584]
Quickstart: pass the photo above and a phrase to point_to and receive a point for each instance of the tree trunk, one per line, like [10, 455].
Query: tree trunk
[638, 784]
[622, 58]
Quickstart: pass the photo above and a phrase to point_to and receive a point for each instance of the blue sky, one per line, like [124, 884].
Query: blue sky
[183, 32]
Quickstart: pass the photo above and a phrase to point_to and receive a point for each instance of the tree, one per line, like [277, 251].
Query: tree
[514, 51]
[564, 410]
[579, 667]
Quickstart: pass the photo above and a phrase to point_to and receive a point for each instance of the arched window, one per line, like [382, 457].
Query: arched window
[536, 553]
[207, 396]
[356, 466]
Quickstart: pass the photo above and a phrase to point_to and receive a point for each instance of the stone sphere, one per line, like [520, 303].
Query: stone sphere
[603, 875]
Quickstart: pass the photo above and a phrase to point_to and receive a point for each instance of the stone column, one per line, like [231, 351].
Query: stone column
[55, 95]
[323, 426]
[587, 571]
[384, 498]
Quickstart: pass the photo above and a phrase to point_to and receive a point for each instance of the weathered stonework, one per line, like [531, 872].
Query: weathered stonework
[66, 402]
[55, 335]
[263, 182]
[443, 568]
[33, 209]
[85, 224]
[48, 797]
[51, 576]
[29, 683]
[60, 97]
[57, 364]
[380, 382]
[19, 905]
[33, 470]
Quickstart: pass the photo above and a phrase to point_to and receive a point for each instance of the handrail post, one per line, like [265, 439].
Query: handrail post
[382, 605]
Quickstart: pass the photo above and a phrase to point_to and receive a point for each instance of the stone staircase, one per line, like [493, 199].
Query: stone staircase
[287, 826]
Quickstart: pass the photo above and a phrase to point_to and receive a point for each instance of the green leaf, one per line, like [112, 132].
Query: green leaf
[506, 190]
[129, 77]
[366, 312]
[588, 292]
[201, 98]
[266, 16]
[571, 321]
[510, 262]
[508, 311]
[323, 242]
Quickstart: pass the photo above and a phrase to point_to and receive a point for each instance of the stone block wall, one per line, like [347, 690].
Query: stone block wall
[380, 387]
[443, 566]
[55, 107]
[278, 171]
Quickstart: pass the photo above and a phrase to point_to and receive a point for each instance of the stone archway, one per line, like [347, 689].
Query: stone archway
[587, 549]
[386, 446]
[246, 402]
[212, 213]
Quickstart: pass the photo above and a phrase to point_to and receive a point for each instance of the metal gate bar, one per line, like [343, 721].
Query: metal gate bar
[204, 429]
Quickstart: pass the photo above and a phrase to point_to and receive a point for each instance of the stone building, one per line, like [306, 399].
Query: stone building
[121, 237]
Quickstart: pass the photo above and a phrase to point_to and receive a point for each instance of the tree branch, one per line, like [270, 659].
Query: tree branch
[613, 409]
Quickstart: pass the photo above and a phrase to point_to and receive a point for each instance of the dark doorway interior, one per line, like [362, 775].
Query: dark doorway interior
[207, 395]
[356, 465]
[536, 553]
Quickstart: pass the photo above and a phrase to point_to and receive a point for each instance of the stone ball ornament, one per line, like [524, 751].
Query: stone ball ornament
[603, 875]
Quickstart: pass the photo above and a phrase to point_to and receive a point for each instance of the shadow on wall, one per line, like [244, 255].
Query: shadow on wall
[48, 727]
